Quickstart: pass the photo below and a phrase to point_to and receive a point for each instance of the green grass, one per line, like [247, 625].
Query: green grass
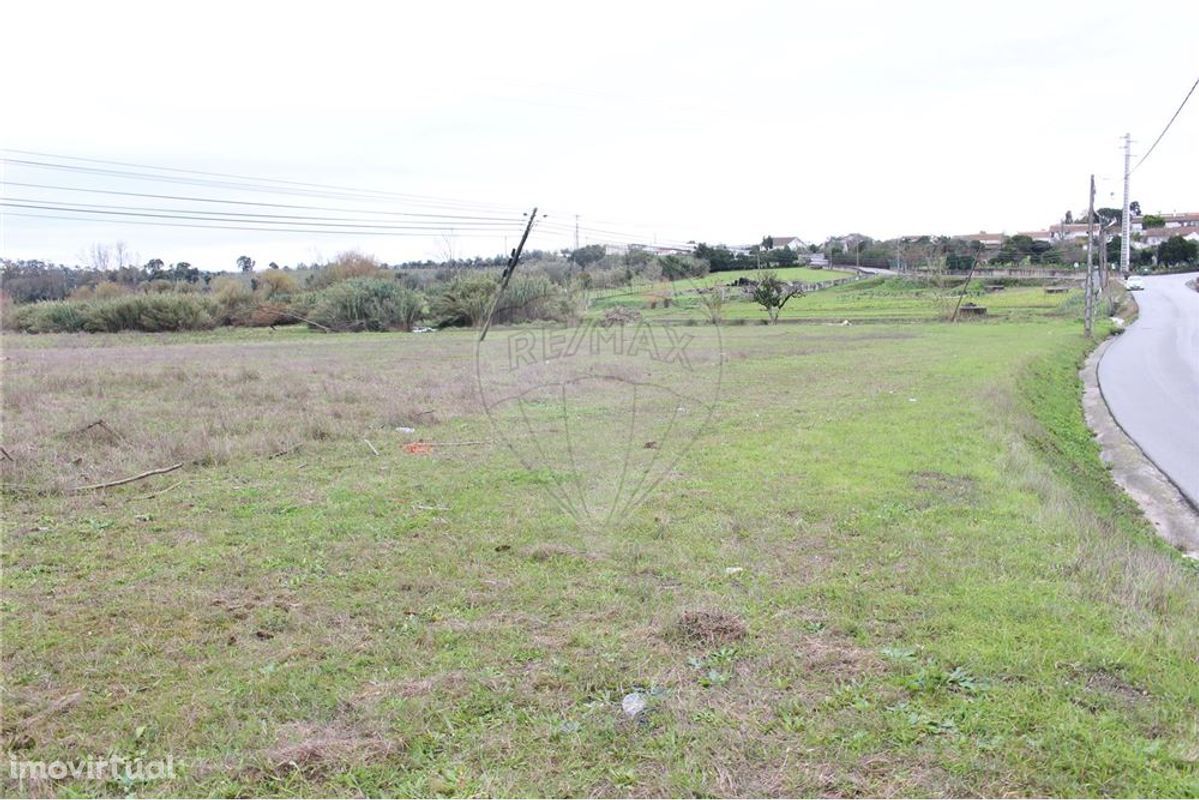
[879, 300]
[943, 593]
[640, 295]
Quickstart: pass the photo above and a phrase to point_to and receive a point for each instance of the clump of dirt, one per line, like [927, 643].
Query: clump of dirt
[619, 315]
[316, 749]
[708, 627]
[1114, 686]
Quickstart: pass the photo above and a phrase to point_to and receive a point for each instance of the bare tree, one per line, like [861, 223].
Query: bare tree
[446, 247]
[123, 256]
[98, 257]
[713, 299]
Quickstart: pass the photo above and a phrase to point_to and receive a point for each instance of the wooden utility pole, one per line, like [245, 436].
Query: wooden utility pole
[1089, 314]
[513, 260]
[965, 286]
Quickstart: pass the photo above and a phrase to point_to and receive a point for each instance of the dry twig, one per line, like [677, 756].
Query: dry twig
[131, 479]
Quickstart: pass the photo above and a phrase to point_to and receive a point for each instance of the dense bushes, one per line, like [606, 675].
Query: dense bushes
[367, 304]
[465, 300]
[341, 300]
[152, 313]
[50, 316]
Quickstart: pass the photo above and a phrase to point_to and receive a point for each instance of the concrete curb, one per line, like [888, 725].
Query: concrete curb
[1172, 516]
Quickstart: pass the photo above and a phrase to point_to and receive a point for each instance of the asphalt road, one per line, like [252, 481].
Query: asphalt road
[1150, 379]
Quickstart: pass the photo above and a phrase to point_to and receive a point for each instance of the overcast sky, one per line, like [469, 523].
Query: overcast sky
[713, 122]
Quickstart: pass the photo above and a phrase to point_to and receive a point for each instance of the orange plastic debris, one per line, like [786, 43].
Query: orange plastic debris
[418, 448]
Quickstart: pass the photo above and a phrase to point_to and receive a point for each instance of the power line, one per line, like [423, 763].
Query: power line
[360, 195]
[247, 228]
[470, 216]
[261, 219]
[1168, 124]
[422, 215]
[259, 180]
[344, 222]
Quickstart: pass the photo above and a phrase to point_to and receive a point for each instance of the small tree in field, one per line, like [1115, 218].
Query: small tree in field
[713, 299]
[772, 294]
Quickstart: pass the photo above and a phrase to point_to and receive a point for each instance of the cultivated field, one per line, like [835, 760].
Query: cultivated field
[891, 564]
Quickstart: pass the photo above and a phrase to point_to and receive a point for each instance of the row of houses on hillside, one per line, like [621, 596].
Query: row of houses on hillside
[1185, 225]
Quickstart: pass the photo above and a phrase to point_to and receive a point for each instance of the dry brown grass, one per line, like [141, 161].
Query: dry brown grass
[164, 400]
[708, 627]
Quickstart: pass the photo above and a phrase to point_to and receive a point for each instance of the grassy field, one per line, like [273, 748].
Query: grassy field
[640, 295]
[868, 300]
[892, 564]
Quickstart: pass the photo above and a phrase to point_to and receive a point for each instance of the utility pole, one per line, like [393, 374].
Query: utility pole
[1125, 220]
[576, 231]
[1089, 313]
[513, 260]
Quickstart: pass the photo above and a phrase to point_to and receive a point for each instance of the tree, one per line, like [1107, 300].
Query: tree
[719, 258]
[772, 294]
[783, 256]
[1153, 221]
[676, 267]
[1134, 208]
[123, 256]
[959, 262]
[713, 299]
[245, 263]
[275, 282]
[1069, 217]
[1177, 250]
[99, 257]
[1113, 250]
[185, 272]
[585, 256]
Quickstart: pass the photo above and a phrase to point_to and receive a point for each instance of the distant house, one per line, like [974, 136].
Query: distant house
[1155, 236]
[1071, 230]
[793, 243]
[1188, 220]
[1038, 236]
[666, 250]
[990, 241]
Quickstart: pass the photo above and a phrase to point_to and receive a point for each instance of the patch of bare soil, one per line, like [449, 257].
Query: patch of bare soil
[708, 627]
[314, 749]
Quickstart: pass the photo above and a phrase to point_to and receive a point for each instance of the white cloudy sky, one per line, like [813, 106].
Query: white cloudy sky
[714, 122]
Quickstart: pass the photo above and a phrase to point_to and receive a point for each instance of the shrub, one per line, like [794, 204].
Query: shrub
[465, 300]
[234, 300]
[534, 297]
[348, 265]
[50, 316]
[152, 313]
[275, 283]
[367, 304]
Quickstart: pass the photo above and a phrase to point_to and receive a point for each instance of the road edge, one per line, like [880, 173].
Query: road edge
[1170, 512]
